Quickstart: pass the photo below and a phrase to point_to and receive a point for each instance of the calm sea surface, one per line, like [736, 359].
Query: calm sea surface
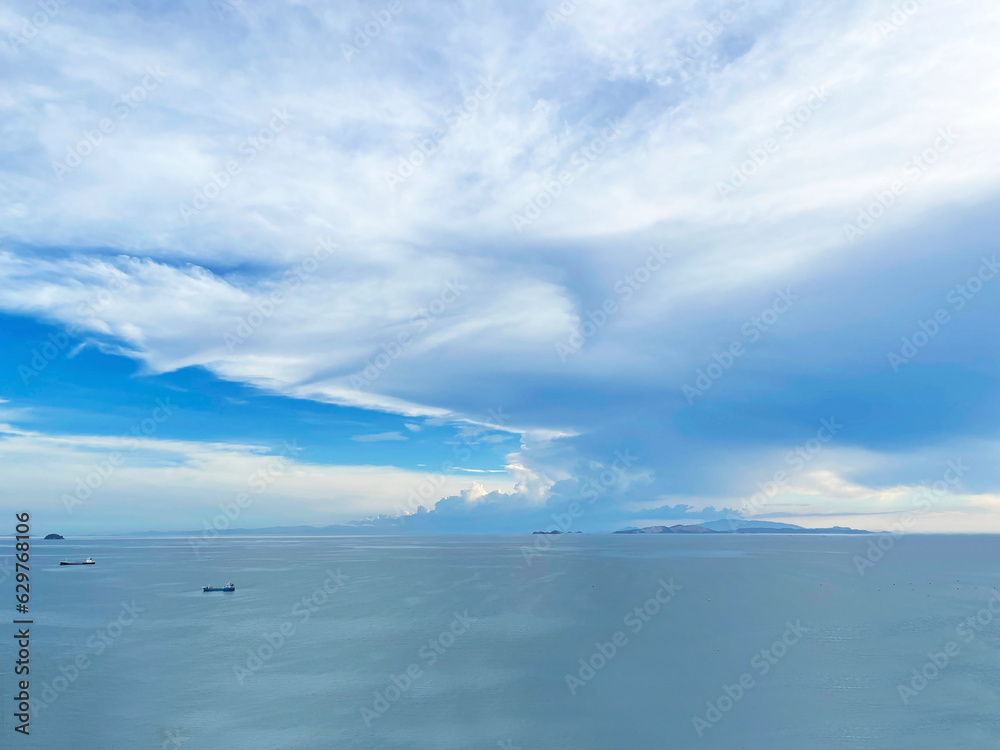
[739, 642]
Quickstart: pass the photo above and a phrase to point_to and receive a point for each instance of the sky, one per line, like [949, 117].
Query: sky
[499, 267]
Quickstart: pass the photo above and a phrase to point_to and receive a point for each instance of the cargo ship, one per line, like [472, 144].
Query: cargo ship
[88, 561]
[227, 587]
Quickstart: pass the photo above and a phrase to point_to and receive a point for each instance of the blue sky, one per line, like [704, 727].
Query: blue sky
[496, 259]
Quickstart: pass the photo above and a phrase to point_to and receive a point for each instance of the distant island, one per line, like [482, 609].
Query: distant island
[54, 536]
[556, 531]
[735, 526]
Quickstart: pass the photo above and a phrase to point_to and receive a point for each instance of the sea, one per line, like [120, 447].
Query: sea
[578, 641]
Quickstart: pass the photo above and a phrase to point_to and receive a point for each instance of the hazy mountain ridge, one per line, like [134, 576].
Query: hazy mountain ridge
[736, 526]
[722, 526]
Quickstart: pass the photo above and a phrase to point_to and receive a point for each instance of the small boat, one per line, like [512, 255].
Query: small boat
[88, 561]
[227, 587]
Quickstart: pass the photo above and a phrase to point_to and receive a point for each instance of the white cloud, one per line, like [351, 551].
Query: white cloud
[379, 437]
[171, 293]
[681, 139]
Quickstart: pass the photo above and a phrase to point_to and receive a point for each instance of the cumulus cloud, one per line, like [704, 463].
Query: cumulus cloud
[134, 482]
